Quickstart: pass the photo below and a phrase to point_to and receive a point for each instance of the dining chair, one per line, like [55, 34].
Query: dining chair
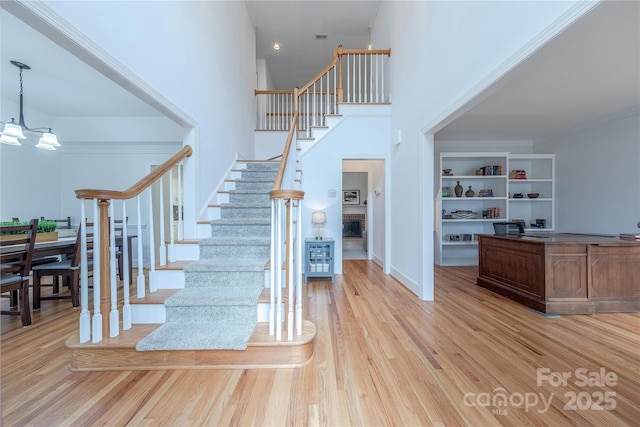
[15, 266]
[68, 270]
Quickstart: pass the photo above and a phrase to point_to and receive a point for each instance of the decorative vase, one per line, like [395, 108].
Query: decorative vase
[458, 189]
[470, 192]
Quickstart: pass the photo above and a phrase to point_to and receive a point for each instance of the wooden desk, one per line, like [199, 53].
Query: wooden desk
[562, 273]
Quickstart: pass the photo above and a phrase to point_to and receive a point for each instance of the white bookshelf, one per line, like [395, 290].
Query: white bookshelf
[455, 235]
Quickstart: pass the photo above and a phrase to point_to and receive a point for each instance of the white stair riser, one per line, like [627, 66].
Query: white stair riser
[204, 231]
[170, 279]
[187, 251]
[148, 313]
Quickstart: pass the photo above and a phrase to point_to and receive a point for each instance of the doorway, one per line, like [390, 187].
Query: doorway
[355, 191]
[363, 209]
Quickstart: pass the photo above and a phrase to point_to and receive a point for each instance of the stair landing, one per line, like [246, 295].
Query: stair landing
[119, 353]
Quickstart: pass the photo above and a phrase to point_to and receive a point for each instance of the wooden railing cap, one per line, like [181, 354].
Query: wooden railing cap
[139, 186]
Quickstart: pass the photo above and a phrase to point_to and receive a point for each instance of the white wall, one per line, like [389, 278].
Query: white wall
[269, 144]
[357, 137]
[441, 51]
[29, 176]
[598, 177]
[198, 54]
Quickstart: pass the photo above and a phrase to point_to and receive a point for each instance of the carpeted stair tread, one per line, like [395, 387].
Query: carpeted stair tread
[222, 265]
[198, 336]
[235, 241]
[204, 297]
[242, 221]
[256, 205]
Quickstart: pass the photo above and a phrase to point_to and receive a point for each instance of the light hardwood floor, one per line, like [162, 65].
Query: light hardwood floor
[382, 358]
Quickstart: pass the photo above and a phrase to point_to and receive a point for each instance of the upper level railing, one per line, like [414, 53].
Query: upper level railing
[93, 324]
[353, 76]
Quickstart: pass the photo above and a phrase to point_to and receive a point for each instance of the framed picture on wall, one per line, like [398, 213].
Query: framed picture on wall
[351, 197]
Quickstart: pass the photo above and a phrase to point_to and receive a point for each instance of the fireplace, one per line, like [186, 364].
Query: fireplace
[353, 225]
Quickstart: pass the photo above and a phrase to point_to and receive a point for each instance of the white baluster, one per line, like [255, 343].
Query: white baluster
[126, 279]
[279, 270]
[299, 269]
[162, 252]
[290, 273]
[180, 214]
[272, 263]
[85, 315]
[152, 245]
[114, 315]
[172, 244]
[140, 285]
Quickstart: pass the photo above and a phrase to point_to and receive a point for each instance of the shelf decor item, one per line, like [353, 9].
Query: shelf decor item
[458, 189]
[470, 192]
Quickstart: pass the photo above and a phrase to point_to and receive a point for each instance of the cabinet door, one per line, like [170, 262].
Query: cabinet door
[567, 272]
[615, 271]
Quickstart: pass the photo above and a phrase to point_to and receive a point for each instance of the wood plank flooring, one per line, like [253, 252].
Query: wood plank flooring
[381, 357]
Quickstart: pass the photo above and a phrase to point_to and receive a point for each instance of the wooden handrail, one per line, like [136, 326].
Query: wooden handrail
[273, 92]
[139, 186]
[366, 52]
[321, 73]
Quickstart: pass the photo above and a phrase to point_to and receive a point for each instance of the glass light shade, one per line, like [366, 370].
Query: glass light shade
[14, 130]
[9, 140]
[45, 146]
[318, 218]
[49, 139]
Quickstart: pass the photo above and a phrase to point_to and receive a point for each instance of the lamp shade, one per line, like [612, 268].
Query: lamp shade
[9, 140]
[49, 139]
[318, 218]
[14, 130]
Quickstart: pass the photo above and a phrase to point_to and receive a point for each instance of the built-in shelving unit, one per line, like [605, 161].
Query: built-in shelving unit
[539, 170]
[461, 218]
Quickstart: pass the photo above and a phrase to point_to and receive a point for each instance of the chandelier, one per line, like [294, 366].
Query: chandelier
[13, 131]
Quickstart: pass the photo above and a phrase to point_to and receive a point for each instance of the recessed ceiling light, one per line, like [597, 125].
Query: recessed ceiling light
[276, 46]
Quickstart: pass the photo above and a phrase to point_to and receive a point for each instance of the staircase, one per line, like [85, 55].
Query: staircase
[212, 321]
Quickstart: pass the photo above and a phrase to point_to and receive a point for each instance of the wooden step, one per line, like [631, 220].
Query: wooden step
[119, 353]
[175, 265]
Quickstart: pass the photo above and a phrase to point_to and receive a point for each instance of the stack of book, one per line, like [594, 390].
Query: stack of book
[630, 236]
[518, 174]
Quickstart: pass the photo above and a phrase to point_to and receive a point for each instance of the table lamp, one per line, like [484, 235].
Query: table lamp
[318, 218]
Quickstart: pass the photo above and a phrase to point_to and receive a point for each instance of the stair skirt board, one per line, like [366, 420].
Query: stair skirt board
[263, 351]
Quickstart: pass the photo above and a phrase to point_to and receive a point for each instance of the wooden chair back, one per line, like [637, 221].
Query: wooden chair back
[17, 245]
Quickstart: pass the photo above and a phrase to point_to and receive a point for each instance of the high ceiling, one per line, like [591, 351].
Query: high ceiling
[589, 71]
[295, 25]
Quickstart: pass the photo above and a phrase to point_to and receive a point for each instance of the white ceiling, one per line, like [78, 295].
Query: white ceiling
[295, 24]
[590, 71]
